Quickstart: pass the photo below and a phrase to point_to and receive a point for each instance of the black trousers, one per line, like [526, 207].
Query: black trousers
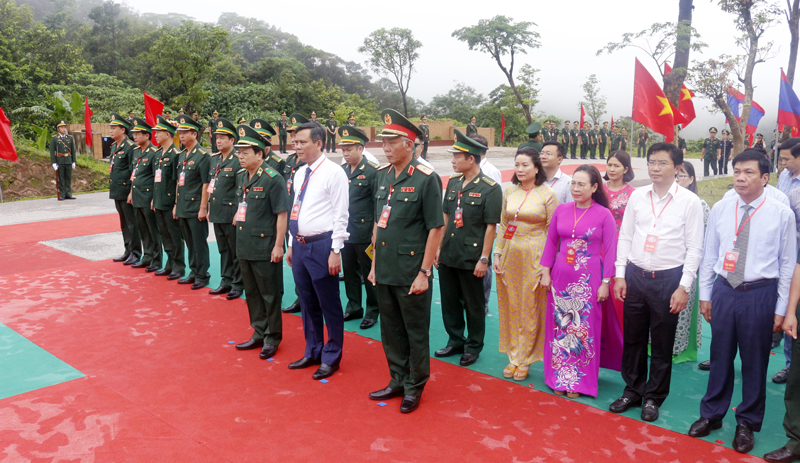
[127, 223]
[723, 164]
[584, 151]
[463, 298]
[573, 147]
[356, 266]
[641, 151]
[330, 143]
[151, 239]
[646, 312]
[425, 150]
[263, 288]
[592, 151]
[791, 420]
[602, 150]
[195, 234]
[171, 240]
[230, 271]
[282, 142]
[65, 180]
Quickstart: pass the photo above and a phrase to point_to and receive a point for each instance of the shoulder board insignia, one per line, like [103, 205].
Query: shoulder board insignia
[384, 166]
[271, 172]
[475, 195]
[424, 169]
[374, 165]
[54, 135]
[260, 171]
[276, 158]
[201, 150]
[241, 170]
[129, 142]
[258, 188]
[456, 175]
[407, 189]
[488, 181]
[215, 154]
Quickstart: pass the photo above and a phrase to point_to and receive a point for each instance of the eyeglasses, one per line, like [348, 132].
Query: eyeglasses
[658, 163]
[682, 176]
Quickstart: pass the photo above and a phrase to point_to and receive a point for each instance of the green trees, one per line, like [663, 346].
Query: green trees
[393, 52]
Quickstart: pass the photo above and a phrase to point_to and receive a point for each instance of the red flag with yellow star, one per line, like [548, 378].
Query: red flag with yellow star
[686, 103]
[650, 106]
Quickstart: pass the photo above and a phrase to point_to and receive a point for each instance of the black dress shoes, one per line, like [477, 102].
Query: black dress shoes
[220, 290]
[294, 308]
[781, 376]
[132, 259]
[162, 273]
[121, 258]
[174, 276]
[324, 371]
[152, 268]
[186, 281]
[782, 455]
[70, 197]
[367, 323]
[304, 362]
[622, 405]
[199, 285]
[705, 366]
[385, 394]
[354, 315]
[448, 351]
[141, 264]
[744, 440]
[233, 294]
[649, 410]
[251, 344]
[703, 427]
[410, 403]
[468, 359]
[268, 351]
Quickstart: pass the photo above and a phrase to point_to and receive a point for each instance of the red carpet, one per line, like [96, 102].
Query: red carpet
[57, 229]
[164, 384]
[27, 257]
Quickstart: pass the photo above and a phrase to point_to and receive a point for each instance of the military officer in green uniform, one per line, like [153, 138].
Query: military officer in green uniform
[564, 137]
[710, 151]
[283, 124]
[644, 137]
[222, 206]
[191, 202]
[407, 231]
[260, 224]
[330, 133]
[212, 130]
[681, 142]
[615, 140]
[593, 141]
[166, 180]
[62, 156]
[472, 127]
[314, 119]
[574, 140]
[583, 141]
[141, 195]
[356, 264]
[292, 164]
[271, 159]
[426, 136]
[533, 132]
[351, 119]
[624, 140]
[120, 185]
[472, 208]
[603, 140]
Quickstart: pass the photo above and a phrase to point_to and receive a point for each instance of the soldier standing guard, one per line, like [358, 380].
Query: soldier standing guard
[472, 210]
[212, 130]
[330, 128]
[624, 140]
[564, 138]
[584, 139]
[191, 202]
[62, 156]
[119, 187]
[426, 136]
[283, 124]
[472, 127]
[641, 150]
[356, 264]
[710, 152]
[615, 140]
[726, 147]
[261, 225]
[533, 132]
[409, 220]
[267, 132]
[574, 140]
[593, 140]
[314, 119]
[141, 195]
[292, 164]
[165, 181]
[603, 140]
[222, 206]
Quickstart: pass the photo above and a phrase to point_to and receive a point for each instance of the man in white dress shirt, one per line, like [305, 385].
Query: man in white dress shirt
[318, 225]
[658, 253]
[551, 155]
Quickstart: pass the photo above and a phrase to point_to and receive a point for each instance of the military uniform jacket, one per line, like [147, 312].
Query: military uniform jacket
[681, 143]
[534, 144]
[222, 201]
[362, 201]
[592, 134]
[62, 149]
[564, 136]
[712, 148]
[282, 126]
[275, 162]
[573, 135]
[195, 165]
[482, 203]
[212, 127]
[584, 134]
[164, 193]
[331, 127]
[643, 137]
[616, 141]
[426, 132]
[603, 133]
[292, 164]
[727, 147]
[143, 172]
[120, 170]
[416, 202]
[472, 129]
[623, 142]
[265, 196]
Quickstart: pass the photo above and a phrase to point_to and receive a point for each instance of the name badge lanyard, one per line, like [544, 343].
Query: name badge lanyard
[135, 168]
[241, 213]
[512, 227]
[459, 213]
[182, 177]
[158, 171]
[213, 181]
[571, 251]
[732, 256]
[297, 201]
[387, 209]
[652, 239]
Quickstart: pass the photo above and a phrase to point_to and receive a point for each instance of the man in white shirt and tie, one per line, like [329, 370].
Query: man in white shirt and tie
[658, 253]
[318, 225]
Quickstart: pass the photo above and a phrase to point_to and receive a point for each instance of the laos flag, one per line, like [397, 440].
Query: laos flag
[735, 101]
[788, 104]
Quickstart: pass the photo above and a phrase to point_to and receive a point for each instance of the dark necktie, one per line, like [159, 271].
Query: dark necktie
[293, 223]
[737, 277]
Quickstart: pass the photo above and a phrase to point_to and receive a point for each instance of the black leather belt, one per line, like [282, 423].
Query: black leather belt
[311, 239]
[747, 285]
[655, 274]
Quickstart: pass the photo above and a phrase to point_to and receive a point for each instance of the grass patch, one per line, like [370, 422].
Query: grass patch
[714, 189]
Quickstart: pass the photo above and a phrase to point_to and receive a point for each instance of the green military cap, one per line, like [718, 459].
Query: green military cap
[283, 113]
[534, 128]
[760, 135]
[248, 136]
[225, 126]
[313, 113]
[165, 124]
[116, 119]
[473, 117]
[181, 110]
[141, 125]
[167, 112]
[61, 122]
[332, 114]
[464, 144]
[187, 123]
[241, 120]
[352, 136]
[263, 127]
[398, 126]
[215, 112]
[712, 130]
[297, 120]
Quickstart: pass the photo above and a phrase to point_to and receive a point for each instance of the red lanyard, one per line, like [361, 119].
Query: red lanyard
[736, 219]
[303, 187]
[458, 203]
[576, 218]
[652, 204]
[389, 198]
[516, 214]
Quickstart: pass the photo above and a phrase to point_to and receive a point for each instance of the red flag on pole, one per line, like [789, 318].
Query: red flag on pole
[502, 127]
[152, 108]
[583, 114]
[612, 122]
[87, 122]
[650, 106]
[685, 102]
[7, 148]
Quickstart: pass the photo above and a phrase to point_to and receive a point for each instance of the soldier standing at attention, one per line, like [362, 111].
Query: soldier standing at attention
[584, 139]
[120, 186]
[426, 136]
[472, 209]
[603, 140]
[314, 120]
[166, 179]
[330, 127]
[351, 119]
[710, 152]
[261, 225]
[593, 141]
[534, 133]
[614, 140]
[283, 124]
[222, 205]
[624, 140]
[681, 142]
[564, 138]
[141, 195]
[292, 164]
[642, 145]
[212, 130]
[62, 156]
[270, 158]
[355, 260]
[574, 140]
[472, 128]
[726, 147]
[191, 202]
[406, 234]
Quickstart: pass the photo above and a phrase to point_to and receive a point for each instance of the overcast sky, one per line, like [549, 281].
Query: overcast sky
[571, 34]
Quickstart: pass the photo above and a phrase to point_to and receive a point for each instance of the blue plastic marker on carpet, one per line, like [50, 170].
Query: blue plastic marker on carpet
[270, 359]
[323, 381]
[231, 342]
[381, 404]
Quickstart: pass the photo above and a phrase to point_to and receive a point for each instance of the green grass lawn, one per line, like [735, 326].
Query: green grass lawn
[713, 190]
